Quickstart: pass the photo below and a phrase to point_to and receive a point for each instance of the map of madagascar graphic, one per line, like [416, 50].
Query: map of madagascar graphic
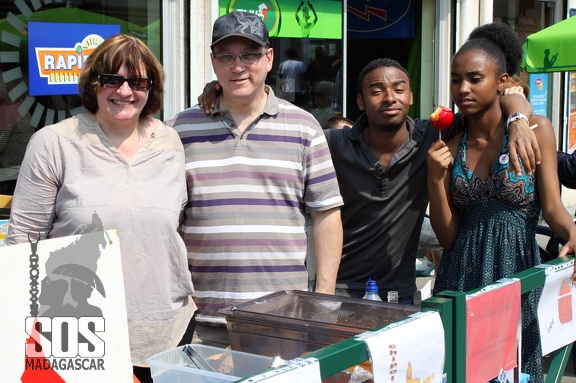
[64, 292]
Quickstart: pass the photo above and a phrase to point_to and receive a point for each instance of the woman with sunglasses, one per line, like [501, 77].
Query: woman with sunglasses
[119, 163]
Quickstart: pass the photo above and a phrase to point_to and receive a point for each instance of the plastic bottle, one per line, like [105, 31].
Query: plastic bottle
[393, 296]
[372, 291]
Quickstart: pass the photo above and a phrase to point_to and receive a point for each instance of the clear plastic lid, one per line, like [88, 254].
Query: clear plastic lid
[305, 309]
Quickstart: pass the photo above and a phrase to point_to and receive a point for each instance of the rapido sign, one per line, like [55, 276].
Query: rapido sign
[57, 52]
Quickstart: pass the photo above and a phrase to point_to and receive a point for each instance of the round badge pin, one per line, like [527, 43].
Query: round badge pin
[504, 159]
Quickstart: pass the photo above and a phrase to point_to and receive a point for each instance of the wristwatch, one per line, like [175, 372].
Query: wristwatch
[515, 117]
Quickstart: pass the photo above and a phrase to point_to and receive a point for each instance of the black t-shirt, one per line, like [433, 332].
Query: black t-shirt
[383, 208]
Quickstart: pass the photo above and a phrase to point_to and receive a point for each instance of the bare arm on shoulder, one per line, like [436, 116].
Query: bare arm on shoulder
[207, 100]
[522, 143]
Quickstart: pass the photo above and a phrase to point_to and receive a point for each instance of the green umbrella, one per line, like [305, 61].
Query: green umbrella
[552, 48]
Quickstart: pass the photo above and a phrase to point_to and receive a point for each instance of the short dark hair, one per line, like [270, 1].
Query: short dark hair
[108, 57]
[380, 63]
[336, 121]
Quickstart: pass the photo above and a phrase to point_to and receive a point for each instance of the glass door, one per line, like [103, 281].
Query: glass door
[42, 47]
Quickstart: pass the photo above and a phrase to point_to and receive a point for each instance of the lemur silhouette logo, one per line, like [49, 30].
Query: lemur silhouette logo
[64, 327]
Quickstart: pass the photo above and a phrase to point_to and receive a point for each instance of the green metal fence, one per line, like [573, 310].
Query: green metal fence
[451, 307]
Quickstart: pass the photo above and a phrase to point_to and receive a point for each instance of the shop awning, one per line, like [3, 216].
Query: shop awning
[552, 49]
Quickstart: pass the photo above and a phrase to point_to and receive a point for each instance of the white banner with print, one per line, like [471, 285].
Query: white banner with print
[409, 350]
[557, 307]
[67, 320]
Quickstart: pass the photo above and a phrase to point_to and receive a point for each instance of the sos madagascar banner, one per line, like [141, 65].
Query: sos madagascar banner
[57, 52]
[67, 318]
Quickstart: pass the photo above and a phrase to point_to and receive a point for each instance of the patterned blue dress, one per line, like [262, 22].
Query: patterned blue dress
[497, 238]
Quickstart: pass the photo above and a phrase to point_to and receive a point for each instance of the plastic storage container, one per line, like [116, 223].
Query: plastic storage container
[172, 367]
[292, 323]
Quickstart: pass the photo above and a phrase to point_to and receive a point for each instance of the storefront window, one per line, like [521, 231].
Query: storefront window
[307, 40]
[42, 47]
[34, 95]
[527, 17]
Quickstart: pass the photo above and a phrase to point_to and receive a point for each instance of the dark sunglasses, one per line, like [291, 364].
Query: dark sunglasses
[116, 81]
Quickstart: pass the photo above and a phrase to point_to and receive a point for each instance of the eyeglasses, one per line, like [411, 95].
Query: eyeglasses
[116, 81]
[246, 58]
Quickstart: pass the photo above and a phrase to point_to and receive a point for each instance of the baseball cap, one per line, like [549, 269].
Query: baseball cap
[242, 24]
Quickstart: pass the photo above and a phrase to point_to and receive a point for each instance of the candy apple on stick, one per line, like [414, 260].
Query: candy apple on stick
[441, 119]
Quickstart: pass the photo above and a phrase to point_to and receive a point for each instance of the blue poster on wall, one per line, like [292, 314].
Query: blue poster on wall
[539, 93]
[380, 19]
[56, 59]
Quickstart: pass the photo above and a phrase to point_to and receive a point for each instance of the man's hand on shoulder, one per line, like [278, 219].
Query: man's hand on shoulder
[207, 100]
[523, 145]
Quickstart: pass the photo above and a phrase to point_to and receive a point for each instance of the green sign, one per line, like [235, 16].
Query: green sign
[295, 19]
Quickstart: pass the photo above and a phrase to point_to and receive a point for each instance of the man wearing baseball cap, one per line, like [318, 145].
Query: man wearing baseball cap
[253, 166]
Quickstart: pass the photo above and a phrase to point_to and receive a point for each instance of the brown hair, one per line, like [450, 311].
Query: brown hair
[108, 57]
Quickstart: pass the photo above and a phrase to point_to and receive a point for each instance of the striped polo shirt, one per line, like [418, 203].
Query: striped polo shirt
[244, 222]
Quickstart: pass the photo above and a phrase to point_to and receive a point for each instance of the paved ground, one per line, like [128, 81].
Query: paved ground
[569, 375]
